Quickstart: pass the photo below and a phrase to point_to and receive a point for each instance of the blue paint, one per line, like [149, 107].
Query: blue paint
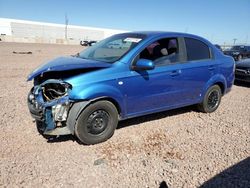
[49, 122]
[140, 92]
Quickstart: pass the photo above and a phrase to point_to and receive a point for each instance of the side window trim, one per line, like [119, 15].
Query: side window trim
[211, 54]
[183, 50]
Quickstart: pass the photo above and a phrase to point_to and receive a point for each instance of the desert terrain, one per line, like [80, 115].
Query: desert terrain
[177, 148]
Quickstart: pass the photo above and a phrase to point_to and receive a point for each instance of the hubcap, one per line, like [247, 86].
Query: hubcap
[97, 122]
[213, 99]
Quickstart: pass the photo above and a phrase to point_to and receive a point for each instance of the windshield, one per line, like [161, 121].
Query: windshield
[113, 48]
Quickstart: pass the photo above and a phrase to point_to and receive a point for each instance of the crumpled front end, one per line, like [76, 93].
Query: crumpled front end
[49, 105]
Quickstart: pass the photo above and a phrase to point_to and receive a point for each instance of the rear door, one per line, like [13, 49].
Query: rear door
[199, 67]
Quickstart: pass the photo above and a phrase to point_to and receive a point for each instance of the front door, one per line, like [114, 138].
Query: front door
[153, 90]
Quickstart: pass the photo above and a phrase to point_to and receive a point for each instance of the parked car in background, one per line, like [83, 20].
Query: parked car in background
[238, 52]
[218, 46]
[127, 75]
[242, 72]
[87, 43]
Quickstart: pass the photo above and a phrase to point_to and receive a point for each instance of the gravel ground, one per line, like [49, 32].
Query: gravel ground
[177, 148]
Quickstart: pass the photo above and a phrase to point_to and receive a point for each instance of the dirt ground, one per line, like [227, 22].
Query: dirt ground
[177, 148]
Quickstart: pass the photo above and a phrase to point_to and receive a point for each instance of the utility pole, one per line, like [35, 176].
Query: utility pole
[234, 41]
[66, 26]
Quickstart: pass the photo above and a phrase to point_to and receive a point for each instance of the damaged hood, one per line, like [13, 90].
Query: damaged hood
[67, 63]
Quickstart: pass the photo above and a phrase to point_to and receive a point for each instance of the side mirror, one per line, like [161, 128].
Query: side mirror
[144, 64]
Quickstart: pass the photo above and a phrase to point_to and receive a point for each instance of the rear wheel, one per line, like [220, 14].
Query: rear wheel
[97, 122]
[211, 100]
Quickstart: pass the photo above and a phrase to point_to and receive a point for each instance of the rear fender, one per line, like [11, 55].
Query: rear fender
[216, 79]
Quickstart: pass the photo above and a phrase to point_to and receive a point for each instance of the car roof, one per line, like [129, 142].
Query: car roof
[160, 33]
[152, 34]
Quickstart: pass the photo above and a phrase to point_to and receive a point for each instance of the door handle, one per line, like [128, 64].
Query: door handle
[175, 73]
[212, 67]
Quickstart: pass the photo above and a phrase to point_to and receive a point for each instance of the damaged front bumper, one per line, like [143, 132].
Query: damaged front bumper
[51, 113]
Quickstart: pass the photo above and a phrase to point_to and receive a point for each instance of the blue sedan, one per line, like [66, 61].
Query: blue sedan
[127, 75]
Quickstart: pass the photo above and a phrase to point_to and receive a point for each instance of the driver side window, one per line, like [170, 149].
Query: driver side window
[162, 52]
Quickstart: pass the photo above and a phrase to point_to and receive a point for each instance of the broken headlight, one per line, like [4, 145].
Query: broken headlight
[60, 112]
[55, 90]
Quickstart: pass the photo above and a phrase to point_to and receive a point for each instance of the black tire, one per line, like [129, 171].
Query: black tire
[97, 122]
[211, 100]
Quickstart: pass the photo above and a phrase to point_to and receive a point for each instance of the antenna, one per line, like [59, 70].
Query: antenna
[66, 26]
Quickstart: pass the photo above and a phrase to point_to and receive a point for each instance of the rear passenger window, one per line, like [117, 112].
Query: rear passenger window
[196, 50]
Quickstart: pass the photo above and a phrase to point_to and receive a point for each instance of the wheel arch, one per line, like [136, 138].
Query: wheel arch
[221, 85]
[217, 79]
[110, 99]
[77, 108]
[101, 91]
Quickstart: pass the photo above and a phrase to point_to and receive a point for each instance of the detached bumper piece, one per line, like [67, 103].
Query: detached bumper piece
[52, 113]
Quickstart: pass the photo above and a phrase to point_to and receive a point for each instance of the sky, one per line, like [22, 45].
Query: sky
[220, 21]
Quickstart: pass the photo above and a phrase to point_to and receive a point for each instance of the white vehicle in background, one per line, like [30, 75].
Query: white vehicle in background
[87, 43]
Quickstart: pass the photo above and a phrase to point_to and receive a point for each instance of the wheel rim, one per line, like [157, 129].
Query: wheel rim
[213, 99]
[97, 122]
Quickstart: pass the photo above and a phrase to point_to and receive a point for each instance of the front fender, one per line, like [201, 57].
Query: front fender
[98, 91]
[217, 78]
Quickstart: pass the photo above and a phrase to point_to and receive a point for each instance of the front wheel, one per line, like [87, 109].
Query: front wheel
[211, 100]
[97, 122]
